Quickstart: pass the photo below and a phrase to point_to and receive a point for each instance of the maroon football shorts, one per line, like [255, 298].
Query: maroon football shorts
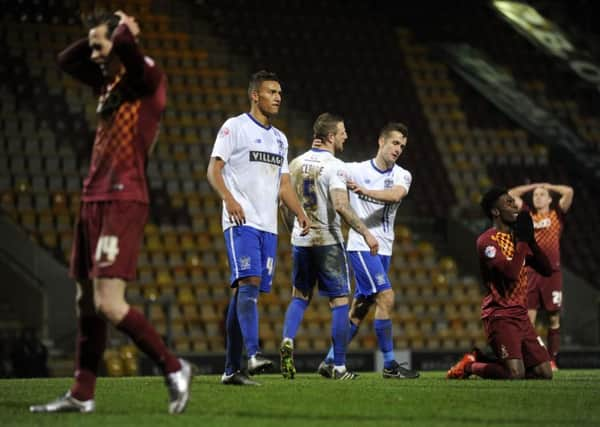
[544, 292]
[513, 338]
[107, 240]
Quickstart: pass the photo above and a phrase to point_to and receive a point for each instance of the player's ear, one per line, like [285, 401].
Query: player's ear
[495, 212]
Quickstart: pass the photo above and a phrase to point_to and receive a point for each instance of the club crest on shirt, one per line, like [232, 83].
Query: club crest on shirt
[490, 251]
[223, 132]
[388, 183]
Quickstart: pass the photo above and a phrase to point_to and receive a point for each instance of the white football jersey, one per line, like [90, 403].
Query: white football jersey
[255, 157]
[378, 216]
[314, 174]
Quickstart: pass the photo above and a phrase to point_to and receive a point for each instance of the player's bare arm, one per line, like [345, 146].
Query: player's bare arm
[566, 195]
[215, 179]
[389, 195]
[287, 217]
[290, 200]
[341, 204]
[517, 192]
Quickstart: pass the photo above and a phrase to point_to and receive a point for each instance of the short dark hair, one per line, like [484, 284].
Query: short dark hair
[325, 124]
[261, 76]
[394, 126]
[101, 17]
[489, 199]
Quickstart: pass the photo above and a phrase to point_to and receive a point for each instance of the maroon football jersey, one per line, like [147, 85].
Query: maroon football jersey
[129, 112]
[548, 229]
[502, 263]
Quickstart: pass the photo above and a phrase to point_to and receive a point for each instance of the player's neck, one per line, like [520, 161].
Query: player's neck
[260, 117]
[382, 164]
[502, 227]
[324, 147]
[543, 211]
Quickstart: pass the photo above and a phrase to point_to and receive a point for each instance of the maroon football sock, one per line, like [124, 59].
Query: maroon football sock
[91, 341]
[553, 340]
[135, 325]
[489, 370]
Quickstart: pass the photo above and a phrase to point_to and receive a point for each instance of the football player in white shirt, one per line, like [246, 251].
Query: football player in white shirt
[249, 170]
[319, 257]
[378, 186]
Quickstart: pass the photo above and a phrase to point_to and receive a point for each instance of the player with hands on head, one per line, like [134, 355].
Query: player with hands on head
[249, 171]
[131, 91]
[548, 219]
[504, 251]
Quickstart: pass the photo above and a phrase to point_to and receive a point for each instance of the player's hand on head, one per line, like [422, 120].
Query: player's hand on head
[523, 227]
[130, 21]
[235, 211]
[372, 243]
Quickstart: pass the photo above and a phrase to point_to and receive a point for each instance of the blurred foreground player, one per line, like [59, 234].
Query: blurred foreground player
[114, 209]
[504, 251]
[548, 222]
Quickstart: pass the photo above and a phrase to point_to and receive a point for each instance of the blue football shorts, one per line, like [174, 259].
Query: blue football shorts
[326, 266]
[251, 252]
[370, 272]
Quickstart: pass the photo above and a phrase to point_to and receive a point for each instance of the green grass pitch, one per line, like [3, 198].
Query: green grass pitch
[571, 399]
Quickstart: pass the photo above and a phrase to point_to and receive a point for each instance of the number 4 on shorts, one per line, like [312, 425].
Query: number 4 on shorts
[109, 246]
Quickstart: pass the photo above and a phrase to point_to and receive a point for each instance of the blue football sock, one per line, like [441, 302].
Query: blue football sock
[247, 312]
[383, 330]
[293, 317]
[352, 331]
[339, 333]
[235, 341]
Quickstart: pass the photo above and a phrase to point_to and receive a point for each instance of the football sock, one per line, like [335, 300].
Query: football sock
[247, 313]
[91, 342]
[235, 341]
[339, 333]
[553, 340]
[488, 370]
[352, 331]
[383, 330]
[143, 334]
[293, 317]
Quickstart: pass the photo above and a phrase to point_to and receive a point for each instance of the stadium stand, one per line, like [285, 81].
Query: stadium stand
[207, 50]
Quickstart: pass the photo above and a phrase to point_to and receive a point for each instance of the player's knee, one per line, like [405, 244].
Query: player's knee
[112, 310]
[385, 302]
[516, 373]
[362, 306]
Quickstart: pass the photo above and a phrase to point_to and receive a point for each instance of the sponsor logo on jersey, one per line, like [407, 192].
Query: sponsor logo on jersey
[380, 279]
[543, 223]
[265, 157]
[490, 251]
